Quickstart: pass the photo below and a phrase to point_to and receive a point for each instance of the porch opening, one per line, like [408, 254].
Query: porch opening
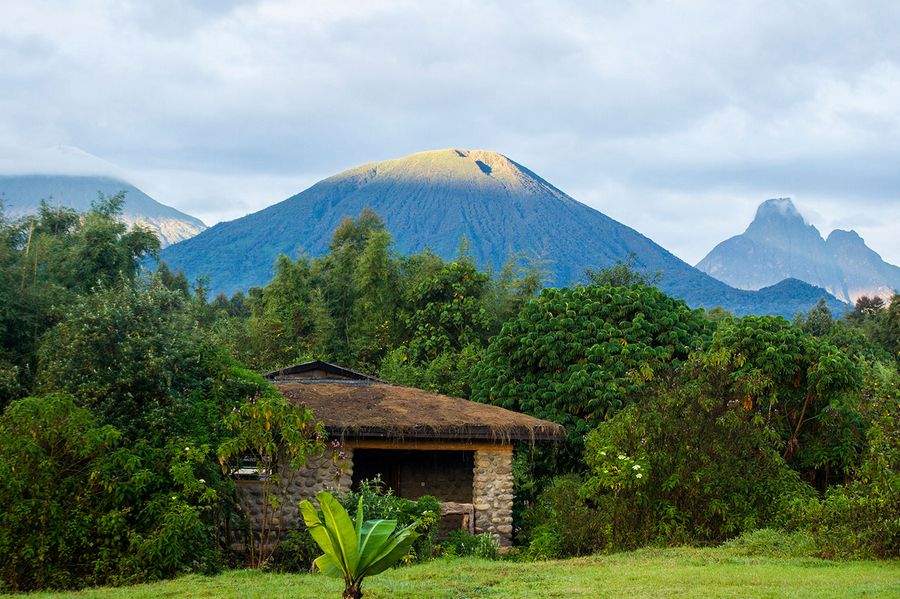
[447, 475]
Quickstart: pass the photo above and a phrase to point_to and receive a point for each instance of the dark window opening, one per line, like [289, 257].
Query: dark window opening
[447, 475]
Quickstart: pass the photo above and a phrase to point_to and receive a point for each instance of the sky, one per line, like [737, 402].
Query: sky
[675, 118]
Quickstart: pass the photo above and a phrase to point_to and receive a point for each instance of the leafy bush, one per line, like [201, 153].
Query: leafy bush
[801, 386]
[861, 519]
[575, 356]
[562, 523]
[136, 357]
[686, 465]
[69, 487]
[462, 543]
[275, 437]
[295, 552]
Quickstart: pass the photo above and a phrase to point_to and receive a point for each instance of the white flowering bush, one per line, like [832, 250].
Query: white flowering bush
[616, 470]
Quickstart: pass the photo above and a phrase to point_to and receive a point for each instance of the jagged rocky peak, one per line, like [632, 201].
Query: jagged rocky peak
[780, 243]
[850, 237]
[779, 207]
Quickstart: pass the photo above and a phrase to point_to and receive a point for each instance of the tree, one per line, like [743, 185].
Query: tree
[802, 386]
[79, 506]
[137, 358]
[47, 261]
[623, 273]
[685, 465]
[275, 439]
[577, 355]
[818, 321]
[867, 306]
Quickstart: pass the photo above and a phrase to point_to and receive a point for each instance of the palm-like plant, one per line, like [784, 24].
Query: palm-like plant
[352, 549]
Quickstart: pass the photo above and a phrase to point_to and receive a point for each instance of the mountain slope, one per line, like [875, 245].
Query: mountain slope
[22, 194]
[780, 244]
[864, 271]
[433, 199]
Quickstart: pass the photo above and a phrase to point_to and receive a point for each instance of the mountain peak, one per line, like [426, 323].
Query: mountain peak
[779, 208]
[780, 244]
[840, 235]
[479, 167]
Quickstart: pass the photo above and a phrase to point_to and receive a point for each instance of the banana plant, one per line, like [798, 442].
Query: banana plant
[354, 549]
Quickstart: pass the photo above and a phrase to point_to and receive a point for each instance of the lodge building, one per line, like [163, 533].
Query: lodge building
[417, 442]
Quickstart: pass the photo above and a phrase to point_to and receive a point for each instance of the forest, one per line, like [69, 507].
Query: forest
[127, 393]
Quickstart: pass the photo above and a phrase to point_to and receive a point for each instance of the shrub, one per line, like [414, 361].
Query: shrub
[685, 467]
[380, 502]
[861, 519]
[801, 386]
[276, 438]
[69, 487]
[575, 356]
[562, 523]
[462, 543]
[295, 552]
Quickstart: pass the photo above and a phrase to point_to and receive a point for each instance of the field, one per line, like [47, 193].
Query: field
[647, 573]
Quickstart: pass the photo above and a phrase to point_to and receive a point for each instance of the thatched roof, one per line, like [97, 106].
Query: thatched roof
[363, 408]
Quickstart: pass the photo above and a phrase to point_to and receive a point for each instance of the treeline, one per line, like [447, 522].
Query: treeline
[123, 417]
[127, 396]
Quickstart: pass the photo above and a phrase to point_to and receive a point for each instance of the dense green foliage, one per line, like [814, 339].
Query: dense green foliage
[127, 409]
[275, 438]
[730, 430]
[417, 320]
[46, 262]
[800, 385]
[82, 507]
[861, 518]
[576, 355]
[110, 469]
[685, 466]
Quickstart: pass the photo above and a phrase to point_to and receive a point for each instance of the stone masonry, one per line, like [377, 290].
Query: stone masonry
[331, 471]
[492, 493]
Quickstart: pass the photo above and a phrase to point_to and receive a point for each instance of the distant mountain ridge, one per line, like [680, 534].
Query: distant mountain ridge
[22, 194]
[433, 199]
[779, 244]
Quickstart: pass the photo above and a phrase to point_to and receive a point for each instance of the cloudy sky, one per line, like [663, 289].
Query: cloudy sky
[674, 118]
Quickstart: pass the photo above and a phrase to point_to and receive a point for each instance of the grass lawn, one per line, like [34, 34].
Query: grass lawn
[654, 573]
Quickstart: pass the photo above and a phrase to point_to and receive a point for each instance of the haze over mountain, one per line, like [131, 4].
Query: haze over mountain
[779, 243]
[432, 200]
[22, 194]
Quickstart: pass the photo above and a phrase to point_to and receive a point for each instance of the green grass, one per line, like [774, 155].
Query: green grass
[648, 573]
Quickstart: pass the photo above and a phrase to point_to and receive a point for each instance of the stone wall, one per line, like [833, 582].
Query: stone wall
[493, 493]
[331, 471]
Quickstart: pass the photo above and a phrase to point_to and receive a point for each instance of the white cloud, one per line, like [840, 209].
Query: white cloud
[676, 118]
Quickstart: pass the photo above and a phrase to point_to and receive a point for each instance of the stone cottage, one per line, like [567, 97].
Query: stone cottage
[419, 443]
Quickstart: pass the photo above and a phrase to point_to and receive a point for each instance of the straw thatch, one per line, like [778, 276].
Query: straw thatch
[362, 408]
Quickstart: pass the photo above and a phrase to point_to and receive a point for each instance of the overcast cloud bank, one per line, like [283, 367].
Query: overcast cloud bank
[677, 119]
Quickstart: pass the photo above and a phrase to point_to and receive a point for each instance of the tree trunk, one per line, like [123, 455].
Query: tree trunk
[353, 591]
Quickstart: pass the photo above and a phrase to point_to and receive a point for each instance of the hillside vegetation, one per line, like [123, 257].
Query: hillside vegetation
[435, 200]
[130, 401]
